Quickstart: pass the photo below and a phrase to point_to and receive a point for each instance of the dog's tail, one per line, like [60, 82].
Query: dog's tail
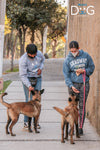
[2, 102]
[61, 111]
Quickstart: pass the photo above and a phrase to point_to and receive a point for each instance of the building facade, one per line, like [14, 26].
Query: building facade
[84, 27]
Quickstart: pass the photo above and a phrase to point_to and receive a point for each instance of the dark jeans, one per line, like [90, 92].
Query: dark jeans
[80, 96]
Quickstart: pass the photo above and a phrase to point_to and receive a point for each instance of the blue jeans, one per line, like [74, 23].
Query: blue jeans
[26, 92]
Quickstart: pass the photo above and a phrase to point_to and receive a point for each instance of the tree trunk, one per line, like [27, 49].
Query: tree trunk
[44, 39]
[41, 31]
[54, 44]
[42, 43]
[5, 45]
[20, 41]
[22, 33]
[14, 45]
[32, 37]
[8, 46]
[23, 40]
[11, 46]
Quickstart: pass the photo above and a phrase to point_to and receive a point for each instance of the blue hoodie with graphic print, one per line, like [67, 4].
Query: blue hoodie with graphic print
[71, 64]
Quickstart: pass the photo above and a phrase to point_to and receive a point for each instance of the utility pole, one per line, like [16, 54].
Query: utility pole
[2, 21]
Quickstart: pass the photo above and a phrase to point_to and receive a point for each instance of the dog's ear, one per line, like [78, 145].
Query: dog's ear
[42, 91]
[32, 92]
[69, 99]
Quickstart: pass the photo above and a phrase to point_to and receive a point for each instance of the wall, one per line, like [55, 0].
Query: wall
[86, 30]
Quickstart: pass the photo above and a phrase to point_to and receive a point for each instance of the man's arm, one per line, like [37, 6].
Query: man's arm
[23, 72]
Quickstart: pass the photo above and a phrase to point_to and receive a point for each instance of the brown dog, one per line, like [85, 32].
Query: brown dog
[69, 116]
[30, 109]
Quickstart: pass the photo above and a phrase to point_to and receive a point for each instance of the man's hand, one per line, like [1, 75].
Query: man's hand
[39, 71]
[31, 88]
[79, 71]
[75, 90]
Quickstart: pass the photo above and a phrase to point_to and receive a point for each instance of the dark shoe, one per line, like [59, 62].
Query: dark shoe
[80, 131]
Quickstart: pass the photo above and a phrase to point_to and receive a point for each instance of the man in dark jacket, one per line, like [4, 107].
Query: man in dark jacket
[75, 65]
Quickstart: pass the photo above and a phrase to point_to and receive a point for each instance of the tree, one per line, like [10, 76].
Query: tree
[7, 25]
[17, 13]
[33, 15]
[44, 11]
[57, 27]
[6, 32]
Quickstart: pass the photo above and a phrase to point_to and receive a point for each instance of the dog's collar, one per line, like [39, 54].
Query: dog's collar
[37, 100]
[73, 105]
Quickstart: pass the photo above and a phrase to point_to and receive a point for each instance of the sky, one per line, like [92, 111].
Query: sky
[63, 2]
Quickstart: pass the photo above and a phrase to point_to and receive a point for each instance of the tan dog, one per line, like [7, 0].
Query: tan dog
[30, 109]
[69, 116]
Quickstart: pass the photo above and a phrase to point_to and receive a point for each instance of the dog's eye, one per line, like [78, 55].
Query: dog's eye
[33, 93]
[69, 99]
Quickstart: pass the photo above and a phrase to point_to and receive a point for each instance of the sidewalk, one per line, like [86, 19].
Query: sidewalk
[52, 70]
[50, 133]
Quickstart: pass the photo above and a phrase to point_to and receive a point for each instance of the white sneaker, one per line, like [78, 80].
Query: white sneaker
[25, 124]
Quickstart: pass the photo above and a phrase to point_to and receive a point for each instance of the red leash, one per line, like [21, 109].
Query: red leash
[81, 121]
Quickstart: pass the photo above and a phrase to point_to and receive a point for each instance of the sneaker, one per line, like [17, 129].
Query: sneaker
[25, 125]
[80, 131]
[38, 126]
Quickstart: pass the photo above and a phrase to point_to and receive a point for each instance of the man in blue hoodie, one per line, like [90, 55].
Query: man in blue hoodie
[30, 71]
[75, 65]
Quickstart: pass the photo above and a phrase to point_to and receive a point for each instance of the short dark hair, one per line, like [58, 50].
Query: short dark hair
[31, 49]
[73, 44]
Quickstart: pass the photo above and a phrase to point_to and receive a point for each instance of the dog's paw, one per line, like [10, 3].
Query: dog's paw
[62, 141]
[13, 134]
[66, 138]
[72, 142]
[7, 132]
[30, 130]
[78, 136]
[37, 131]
